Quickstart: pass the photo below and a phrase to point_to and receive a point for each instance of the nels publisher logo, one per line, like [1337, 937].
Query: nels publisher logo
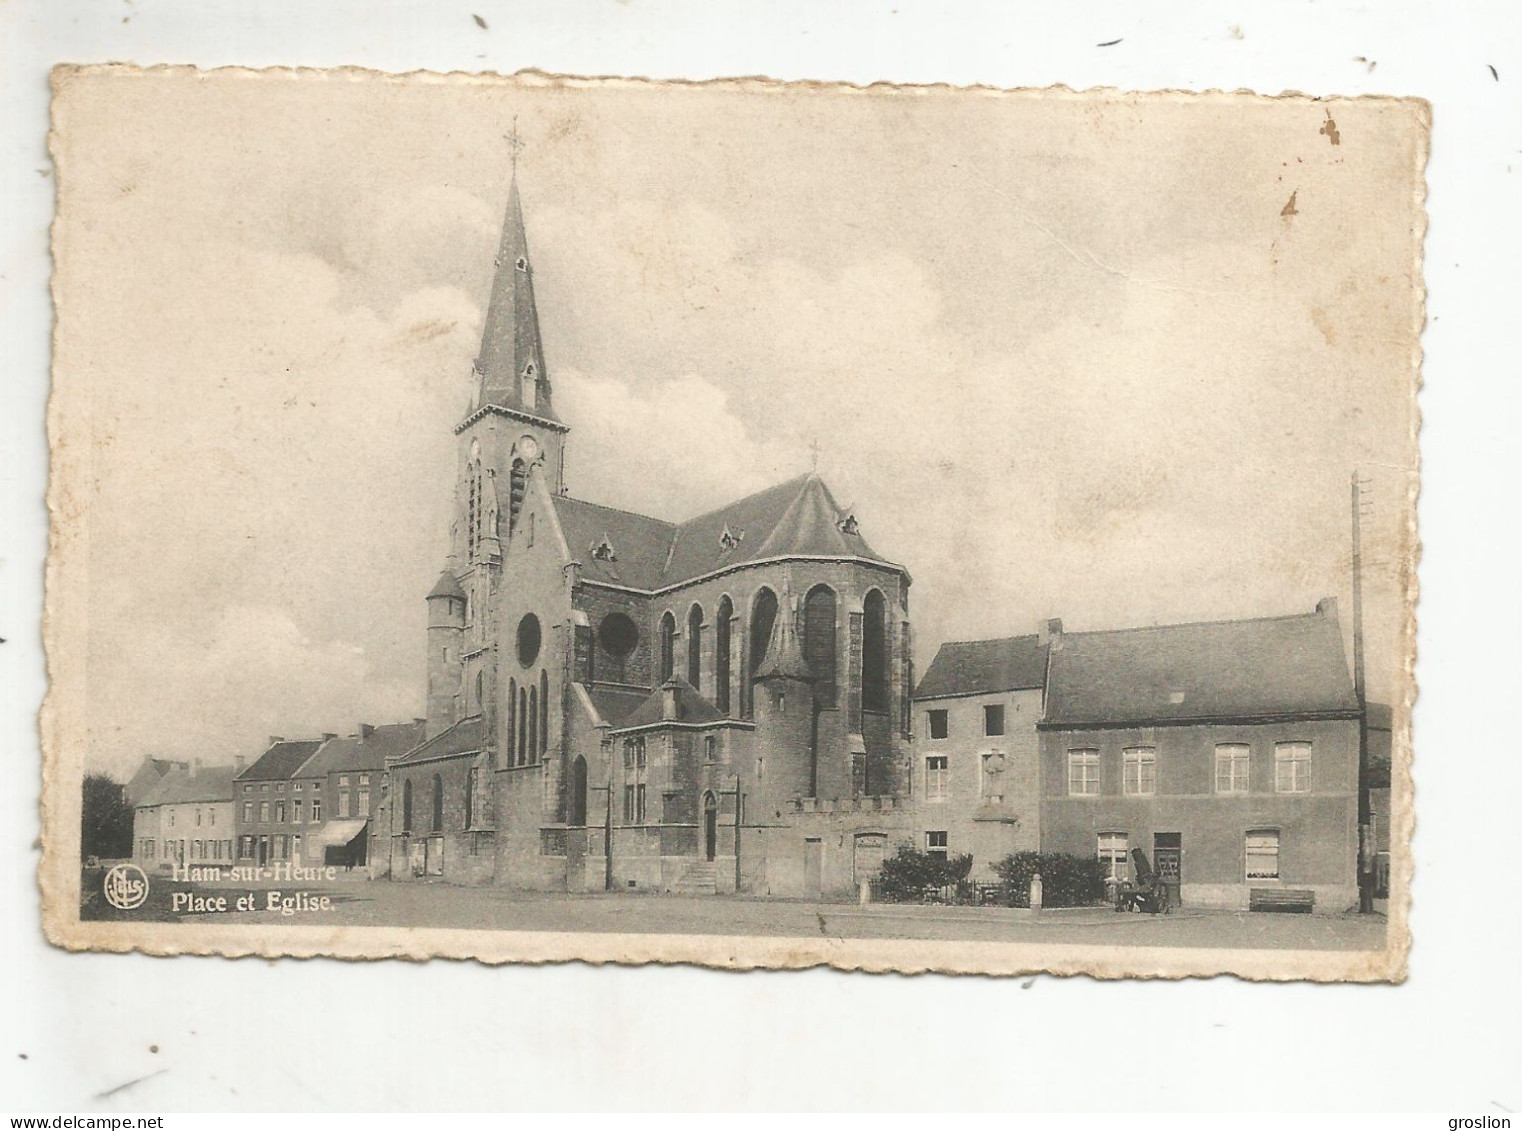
[126, 887]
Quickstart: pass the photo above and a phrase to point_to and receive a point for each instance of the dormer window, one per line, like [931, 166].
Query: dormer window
[847, 524]
[522, 264]
[728, 540]
[530, 370]
[603, 551]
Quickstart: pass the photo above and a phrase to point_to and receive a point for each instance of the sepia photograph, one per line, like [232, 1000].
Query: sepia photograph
[745, 523]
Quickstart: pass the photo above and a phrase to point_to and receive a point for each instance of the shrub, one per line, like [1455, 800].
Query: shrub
[909, 875]
[1066, 880]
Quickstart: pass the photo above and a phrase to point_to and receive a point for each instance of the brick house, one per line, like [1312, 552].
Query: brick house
[274, 807]
[977, 753]
[1227, 751]
[337, 793]
[186, 817]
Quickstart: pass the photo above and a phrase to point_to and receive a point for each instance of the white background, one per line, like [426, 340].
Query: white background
[322, 1035]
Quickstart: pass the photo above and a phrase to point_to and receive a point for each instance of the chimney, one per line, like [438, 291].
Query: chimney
[238, 764]
[366, 730]
[195, 767]
[668, 699]
[417, 722]
[276, 739]
[328, 736]
[1327, 607]
[1048, 629]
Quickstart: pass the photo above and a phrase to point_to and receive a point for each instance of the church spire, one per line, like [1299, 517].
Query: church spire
[510, 368]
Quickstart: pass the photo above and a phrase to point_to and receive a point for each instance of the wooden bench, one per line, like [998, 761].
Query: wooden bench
[1293, 900]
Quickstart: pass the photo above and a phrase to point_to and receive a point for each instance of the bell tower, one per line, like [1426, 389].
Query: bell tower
[511, 427]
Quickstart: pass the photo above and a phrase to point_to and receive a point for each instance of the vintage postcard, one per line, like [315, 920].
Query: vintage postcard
[749, 524]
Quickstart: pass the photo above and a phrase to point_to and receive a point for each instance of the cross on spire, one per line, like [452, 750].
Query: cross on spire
[814, 452]
[514, 143]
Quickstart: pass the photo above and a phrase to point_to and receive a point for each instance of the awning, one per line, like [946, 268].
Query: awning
[336, 833]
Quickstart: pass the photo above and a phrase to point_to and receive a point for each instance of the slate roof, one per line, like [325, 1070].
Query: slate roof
[342, 755]
[510, 339]
[1241, 669]
[468, 736]
[640, 543]
[448, 585]
[280, 761]
[794, 519]
[179, 787]
[615, 706]
[691, 708]
[983, 667]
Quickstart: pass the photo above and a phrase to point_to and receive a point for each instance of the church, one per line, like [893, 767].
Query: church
[616, 701]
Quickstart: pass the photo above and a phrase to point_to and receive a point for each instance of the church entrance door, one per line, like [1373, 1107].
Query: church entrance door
[710, 826]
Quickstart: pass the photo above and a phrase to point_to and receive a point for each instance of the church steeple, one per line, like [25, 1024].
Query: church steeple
[510, 369]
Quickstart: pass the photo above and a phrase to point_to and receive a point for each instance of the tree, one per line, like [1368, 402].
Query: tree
[105, 819]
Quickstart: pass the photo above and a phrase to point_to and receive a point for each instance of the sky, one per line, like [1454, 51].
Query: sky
[1110, 359]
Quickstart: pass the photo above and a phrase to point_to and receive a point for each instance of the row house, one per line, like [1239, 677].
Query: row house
[185, 817]
[275, 809]
[1227, 751]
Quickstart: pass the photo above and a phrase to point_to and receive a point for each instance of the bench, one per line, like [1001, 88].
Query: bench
[1293, 900]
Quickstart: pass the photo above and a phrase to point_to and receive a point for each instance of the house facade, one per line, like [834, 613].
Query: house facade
[185, 818]
[1227, 751]
[977, 750]
[337, 793]
[275, 808]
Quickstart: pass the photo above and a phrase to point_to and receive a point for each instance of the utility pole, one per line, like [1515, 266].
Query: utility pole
[1365, 807]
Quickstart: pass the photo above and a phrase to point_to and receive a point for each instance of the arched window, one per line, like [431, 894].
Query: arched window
[819, 642]
[763, 617]
[533, 724]
[481, 692]
[544, 712]
[668, 646]
[874, 653]
[406, 805]
[695, 646]
[470, 797]
[522, 725]
[438, 803]
[517, 485]
[721, 646]
[512, 720]
[473, 507]
[578, 809]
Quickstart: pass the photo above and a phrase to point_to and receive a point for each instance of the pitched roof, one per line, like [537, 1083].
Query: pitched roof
[640, 543]
[691, 707]
[793, 519]
[982, 667]
[796, 518]
[353, 752]
[280, 761]
[179, 786]
[615, 706]
[784, 657]
[468, 736]
[510, 341]
[1188, 672]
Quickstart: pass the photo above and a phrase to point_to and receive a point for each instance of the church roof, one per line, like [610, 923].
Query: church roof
[638, 543]
[468, 736]
[799, 518]
[1238, 669]
[984, 667]
[447, 586]
[614, 705]
[510, 341]
[691, 707]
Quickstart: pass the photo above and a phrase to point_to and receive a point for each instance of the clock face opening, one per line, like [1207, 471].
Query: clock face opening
[528, 448]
